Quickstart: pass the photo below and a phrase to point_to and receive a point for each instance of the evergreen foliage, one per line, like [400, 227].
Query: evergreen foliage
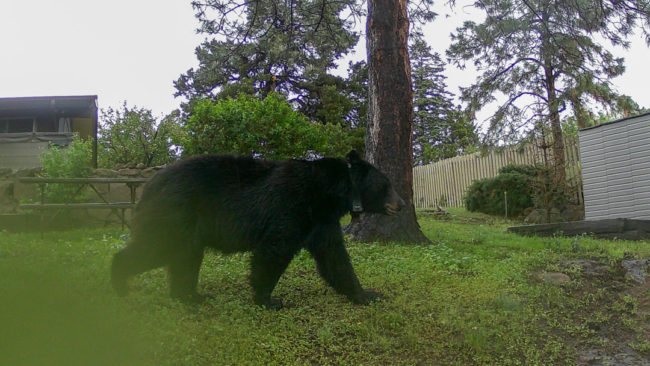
[257, 47]
[488, 195]
[261, 46]
[267, 128]
[546, 58]
[441, 130]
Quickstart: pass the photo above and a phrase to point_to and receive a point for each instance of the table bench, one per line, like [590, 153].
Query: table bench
[117, 208]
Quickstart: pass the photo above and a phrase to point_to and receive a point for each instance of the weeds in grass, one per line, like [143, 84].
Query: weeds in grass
[468, 298]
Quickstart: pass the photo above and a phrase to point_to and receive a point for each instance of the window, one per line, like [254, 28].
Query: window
[47, 124]
[14, 125]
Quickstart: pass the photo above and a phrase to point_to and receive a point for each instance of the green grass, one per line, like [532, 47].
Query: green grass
[470, 297]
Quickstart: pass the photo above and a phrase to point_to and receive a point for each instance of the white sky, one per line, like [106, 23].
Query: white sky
[134, 50]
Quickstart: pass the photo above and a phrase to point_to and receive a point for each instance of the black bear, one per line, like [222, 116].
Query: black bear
[271, 208]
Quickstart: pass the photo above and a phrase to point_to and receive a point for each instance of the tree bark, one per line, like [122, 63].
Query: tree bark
[390, 117]
[556, 128]
[555, 122]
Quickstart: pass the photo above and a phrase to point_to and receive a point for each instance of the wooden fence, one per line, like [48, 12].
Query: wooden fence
[446, 181]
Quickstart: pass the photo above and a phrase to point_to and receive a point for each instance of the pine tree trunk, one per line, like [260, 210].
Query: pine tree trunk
[553, 106]
[558, 139]
[390, 118]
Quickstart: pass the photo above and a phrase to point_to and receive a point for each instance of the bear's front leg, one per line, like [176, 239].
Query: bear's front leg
[184, 275]
[325, 243]
[266, 269]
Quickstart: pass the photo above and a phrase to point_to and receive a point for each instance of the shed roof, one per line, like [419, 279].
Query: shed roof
[79, 105]
[616, 121]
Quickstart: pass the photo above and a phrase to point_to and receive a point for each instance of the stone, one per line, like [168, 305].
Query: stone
[635, 270]
[29, 172]
[626, 357]
[8, 203]
[105, 173]
[554, 278]
[128, 172]
[6, 189]
[5, 172]
[574, 213]
[589, 268]
[541, 216]
[149, 172]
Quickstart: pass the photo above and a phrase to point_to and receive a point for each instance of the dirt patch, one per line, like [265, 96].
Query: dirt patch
[596, 357]
[616, 315]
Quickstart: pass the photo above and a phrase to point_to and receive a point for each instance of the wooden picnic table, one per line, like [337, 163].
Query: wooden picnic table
[117, 208]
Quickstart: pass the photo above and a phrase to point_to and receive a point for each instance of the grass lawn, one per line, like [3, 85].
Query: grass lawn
[474, 296]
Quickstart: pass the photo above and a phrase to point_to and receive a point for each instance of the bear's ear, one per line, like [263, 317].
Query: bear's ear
[352, 157]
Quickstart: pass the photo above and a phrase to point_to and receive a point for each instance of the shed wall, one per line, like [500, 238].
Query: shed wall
[19, 155]
[615, 161]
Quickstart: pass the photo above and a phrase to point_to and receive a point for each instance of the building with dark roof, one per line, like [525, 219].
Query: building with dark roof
[29, 125]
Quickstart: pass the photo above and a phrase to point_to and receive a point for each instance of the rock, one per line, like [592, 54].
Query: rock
[140, 166]
[29, 172]
[635, 270]
[589, 268]
[541, 216]
[595, 357]
[128, 172]
[554, 278]
[574, 213]
[6, 189]
[8, 203]
[105, 173]
[5, 172]
[149, 172]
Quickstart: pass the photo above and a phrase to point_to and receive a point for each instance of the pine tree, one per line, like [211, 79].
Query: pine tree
[544, 58]
[256, 47]
[441, 130]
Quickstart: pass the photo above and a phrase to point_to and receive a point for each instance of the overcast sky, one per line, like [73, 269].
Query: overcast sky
[133, 50]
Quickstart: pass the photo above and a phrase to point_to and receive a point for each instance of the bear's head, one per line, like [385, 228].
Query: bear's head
[372, 190]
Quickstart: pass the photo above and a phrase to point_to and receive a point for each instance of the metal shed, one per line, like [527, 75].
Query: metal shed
[615, 159]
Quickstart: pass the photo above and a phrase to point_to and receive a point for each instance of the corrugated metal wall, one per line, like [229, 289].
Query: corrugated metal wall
[615, 160]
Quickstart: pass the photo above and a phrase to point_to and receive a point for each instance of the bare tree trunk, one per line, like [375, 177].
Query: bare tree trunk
[553, 108]
[390, 118]
[556, 131]
[559, 170]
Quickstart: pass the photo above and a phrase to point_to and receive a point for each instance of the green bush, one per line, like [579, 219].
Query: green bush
[267, 128]
[487, 195]
[132, 135]
[69, 162]
[527, 170]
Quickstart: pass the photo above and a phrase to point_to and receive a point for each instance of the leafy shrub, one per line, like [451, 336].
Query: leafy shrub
[267, 128]
[132, 135]
[68, 162]
[487, 195]
[527, 170]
